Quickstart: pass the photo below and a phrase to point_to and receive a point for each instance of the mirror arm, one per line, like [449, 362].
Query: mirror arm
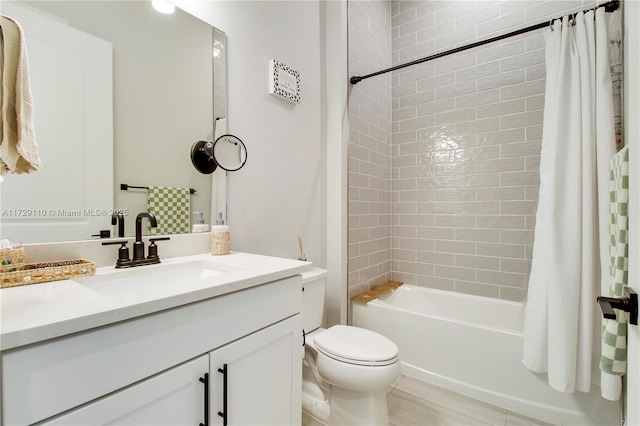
[208, 150]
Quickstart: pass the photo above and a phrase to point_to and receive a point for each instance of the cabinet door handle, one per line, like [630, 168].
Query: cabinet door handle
[205, 380]
[223, 413]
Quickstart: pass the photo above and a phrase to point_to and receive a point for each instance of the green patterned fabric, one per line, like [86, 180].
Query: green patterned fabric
[614, 332]
[171, 206]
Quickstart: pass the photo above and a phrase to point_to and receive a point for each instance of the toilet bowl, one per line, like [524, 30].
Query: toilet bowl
[346, 369]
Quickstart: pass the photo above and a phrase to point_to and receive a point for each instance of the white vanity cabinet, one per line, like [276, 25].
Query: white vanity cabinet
[255, 380]
[147, 370]
[171, 398]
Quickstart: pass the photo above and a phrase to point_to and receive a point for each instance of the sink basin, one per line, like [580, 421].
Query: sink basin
[154, 277]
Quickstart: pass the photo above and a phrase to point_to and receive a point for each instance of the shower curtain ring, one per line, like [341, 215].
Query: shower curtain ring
[551, 24]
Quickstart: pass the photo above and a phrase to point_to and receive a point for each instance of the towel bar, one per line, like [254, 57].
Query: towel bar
[628, 303]
[124, 187]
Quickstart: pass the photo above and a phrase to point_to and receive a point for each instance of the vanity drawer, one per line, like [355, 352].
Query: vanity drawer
[47, 378]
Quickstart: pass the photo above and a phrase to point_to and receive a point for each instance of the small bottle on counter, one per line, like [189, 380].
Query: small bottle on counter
[220, 237]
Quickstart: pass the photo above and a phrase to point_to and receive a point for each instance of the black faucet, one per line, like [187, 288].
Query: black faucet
[119, 219]
[138, 245]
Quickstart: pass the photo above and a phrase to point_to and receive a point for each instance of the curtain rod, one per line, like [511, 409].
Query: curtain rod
[609, 6]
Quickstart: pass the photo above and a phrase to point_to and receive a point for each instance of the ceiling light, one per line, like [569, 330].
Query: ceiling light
[163, 6]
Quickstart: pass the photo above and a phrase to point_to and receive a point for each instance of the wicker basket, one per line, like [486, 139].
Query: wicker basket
[35, 273]
[12, 260]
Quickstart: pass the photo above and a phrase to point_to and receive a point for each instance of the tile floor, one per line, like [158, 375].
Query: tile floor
[415, 403]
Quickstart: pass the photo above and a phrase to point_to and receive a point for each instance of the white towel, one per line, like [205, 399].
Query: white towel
[18, 147]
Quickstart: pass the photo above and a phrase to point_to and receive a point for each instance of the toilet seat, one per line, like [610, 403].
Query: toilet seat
[354, 345]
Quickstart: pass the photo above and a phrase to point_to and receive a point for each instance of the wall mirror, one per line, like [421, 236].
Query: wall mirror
[121, 92]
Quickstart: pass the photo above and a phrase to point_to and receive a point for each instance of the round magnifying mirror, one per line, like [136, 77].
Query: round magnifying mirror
[229, 153]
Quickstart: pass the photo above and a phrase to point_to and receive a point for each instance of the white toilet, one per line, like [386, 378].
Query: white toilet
[346, 369]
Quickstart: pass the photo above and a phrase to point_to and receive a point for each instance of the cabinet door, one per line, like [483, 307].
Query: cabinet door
[175, 397]
[263, 377]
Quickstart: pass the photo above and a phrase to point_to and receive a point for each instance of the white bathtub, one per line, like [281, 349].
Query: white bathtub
[473, 345]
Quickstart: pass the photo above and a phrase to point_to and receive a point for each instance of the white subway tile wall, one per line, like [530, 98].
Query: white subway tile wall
[370, 146]
[466, 144]
[444, 155]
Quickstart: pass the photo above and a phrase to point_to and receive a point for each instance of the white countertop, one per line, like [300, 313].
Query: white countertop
[34, 313]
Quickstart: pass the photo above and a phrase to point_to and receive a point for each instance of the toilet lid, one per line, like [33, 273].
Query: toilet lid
[356, 346]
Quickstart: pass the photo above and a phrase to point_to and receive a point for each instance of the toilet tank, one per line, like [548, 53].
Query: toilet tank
[314, 284]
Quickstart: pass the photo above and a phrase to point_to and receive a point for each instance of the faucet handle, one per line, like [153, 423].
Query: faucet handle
[104, 233]
[123, 251]
[153, 248]
[109, 243]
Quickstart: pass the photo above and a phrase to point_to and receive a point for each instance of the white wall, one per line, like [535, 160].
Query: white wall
[295, 179]
[336, 113]
[278, 194]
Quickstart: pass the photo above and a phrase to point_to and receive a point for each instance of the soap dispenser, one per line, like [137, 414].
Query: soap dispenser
[199, 225]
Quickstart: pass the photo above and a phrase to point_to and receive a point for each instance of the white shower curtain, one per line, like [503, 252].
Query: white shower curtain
[577, 143]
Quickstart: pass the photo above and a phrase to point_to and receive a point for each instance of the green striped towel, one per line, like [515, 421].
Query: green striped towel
[614, 332]
[171, 207]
